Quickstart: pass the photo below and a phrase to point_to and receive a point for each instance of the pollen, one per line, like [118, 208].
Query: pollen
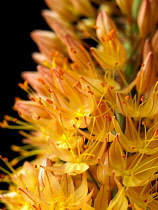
[127, 98]
[49, 101]
[32, 99]
[142, 99]
[39, 117]
[41, 81]
[86, 33]
[156, 133]
[73, 51]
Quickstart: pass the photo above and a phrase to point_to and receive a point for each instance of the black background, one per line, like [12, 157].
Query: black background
[18, 19]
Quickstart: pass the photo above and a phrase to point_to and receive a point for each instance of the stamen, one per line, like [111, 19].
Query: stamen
[41, 81]
[142, 99]
[127, 97]
[156, 133]
[49, 101]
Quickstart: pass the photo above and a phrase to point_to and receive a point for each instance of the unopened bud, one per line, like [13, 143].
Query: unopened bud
[63, 8]
[147, 48]
[77, 52]
[104, 24]
[84, 7]
[146, 77]
[46, 40]
[154, 42]
[154, 14]
[144, 18]
[125, 5]
[57, 24]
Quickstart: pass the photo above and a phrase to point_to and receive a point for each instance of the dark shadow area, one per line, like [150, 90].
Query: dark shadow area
[17, 21]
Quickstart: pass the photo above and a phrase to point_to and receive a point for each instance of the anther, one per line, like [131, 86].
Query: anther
[127, 97]
[95, 27]
[19, 112]
[102, 38]
[2, 175]
[142, 99]
[20, 204]
[32, 99]
[49, 90]
[5, 159]
[34, 207]
[85, 146]
[124, 102]
[49, 101]
[89, 90]
[86, 33]
[156, 133]
[130, 205]
[73, 51]
[6, 117]
[102, 84]
[41, 81]
[40, 102]
[60, 74]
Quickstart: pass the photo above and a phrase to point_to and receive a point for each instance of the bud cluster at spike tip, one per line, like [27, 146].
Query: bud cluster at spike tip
[90, 120]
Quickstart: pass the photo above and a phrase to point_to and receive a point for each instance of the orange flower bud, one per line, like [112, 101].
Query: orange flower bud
[148, 48]
[104, 24]
[144, 18]
[58, 25]
[84, 7]
[125, 5]
[146, 77]
[111, 54]
[63, 8]
[154, 13]
[31, 110]
[47, 42]
[77, 52]
[154, 42]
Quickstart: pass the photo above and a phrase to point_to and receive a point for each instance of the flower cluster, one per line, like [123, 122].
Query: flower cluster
[91, 118]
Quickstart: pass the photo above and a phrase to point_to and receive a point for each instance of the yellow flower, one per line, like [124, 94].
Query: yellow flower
[52, 194]
[79, 159]
[132, 141]
[138, 107]
[136, 169]
[125, 6]
[147, 195]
